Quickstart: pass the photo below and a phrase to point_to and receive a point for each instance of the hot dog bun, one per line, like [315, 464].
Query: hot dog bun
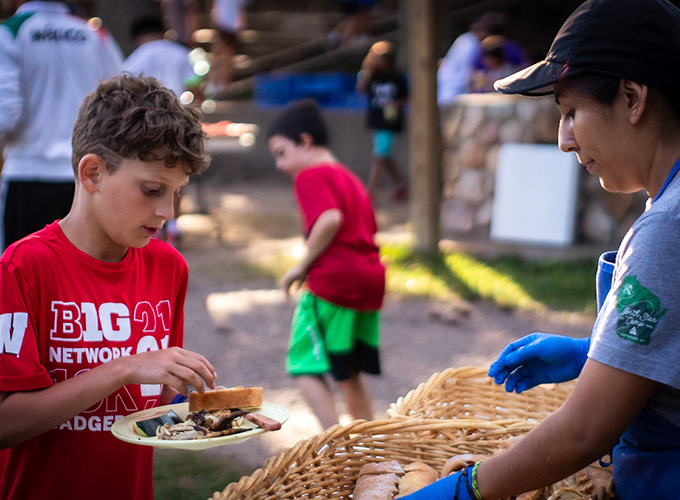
[235, 397]
[378, 481]
[418, 475]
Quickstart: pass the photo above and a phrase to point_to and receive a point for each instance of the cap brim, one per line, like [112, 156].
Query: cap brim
[536, 80]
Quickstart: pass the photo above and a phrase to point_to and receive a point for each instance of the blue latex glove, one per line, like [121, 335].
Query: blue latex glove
[539, 358]
[452, 487]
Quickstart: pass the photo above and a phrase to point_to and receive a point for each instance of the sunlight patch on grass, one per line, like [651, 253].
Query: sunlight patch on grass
[417, 281]
[510, 282]
[412, 274]
[488, 283]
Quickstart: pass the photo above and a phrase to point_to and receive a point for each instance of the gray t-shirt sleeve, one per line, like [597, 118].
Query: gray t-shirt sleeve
[637, 329]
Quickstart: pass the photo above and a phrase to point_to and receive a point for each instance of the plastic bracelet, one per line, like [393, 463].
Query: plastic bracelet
[473, 482]
[179, 398]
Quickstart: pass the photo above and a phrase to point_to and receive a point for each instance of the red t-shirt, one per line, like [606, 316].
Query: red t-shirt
[68, 313]
[348, 273]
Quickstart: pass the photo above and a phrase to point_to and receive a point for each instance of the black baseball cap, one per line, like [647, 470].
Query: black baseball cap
[637, 40]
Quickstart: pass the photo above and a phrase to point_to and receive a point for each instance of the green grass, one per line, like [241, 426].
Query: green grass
[510, 282]
[189, 475]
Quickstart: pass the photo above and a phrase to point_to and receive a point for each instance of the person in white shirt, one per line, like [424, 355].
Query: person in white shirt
[227, 17]
[455, 70]
[49, 61]
[165, 60]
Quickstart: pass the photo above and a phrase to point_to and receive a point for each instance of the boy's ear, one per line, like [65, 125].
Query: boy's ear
[90, 170]
[306, 139]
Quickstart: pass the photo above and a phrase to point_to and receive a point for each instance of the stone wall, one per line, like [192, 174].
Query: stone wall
[474, 128]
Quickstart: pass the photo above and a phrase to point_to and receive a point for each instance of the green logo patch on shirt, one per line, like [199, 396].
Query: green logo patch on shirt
[639, 311]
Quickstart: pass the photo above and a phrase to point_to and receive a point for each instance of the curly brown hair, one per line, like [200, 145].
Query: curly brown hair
[130, 117]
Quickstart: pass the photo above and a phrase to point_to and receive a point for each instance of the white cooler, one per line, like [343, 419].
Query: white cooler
[535, 195]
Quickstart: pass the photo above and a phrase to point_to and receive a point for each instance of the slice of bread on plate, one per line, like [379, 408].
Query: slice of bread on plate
[234, 397]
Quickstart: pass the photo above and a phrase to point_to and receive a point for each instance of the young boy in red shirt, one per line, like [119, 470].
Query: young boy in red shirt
[335, 325]
[91, 307]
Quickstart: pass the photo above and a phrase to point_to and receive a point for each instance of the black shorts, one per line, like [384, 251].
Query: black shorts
[29, 206]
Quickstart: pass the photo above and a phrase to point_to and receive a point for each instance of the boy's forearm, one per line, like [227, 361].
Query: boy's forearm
[322, 234]
[27, 414]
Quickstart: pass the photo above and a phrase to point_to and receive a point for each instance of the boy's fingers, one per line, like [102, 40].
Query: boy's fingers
[189, 376]
[193, 369]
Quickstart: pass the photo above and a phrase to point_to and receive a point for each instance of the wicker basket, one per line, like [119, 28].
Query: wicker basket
[462, 410]
[470, 393]
[327, 465]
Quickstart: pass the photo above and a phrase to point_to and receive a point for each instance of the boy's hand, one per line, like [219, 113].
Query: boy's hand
[297, 273]
[174, 367]
[321, 235]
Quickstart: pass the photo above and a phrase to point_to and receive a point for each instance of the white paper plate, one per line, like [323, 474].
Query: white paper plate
[124, 430]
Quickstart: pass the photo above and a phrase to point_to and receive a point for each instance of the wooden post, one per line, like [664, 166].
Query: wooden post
[424, 141]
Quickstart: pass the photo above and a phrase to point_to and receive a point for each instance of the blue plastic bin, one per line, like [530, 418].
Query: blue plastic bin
[273, 89]
[328, 89]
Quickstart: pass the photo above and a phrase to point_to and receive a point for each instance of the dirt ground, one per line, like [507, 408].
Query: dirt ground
[240, 321]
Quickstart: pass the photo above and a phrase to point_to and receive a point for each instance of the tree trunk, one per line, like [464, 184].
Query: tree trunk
[424, 139]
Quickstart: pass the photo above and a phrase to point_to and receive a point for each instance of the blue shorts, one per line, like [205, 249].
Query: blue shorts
[383, 143]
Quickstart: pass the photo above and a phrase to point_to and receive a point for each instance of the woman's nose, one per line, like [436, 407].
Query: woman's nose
[565, 137]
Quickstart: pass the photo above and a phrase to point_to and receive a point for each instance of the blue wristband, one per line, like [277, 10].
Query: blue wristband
[179, 398]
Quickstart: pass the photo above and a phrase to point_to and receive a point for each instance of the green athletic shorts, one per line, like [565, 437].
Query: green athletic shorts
[326, 338]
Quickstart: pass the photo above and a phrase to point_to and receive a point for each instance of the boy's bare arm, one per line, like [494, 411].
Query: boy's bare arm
[321, 235]
[27, 414]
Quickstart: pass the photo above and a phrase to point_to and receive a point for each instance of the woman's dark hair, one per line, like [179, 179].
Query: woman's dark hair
[301, 117]
[605, 88]
[601, 88]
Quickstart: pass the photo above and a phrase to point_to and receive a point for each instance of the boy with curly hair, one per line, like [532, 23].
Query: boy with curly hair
[91, 306]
